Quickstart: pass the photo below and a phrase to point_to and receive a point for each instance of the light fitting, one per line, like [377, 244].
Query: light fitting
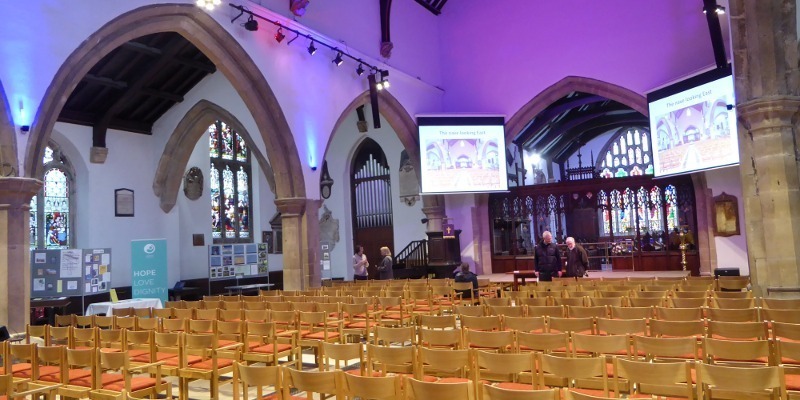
[208, 4]
[279, 36]
[338, 60]
[251, 24]
[311, 48]
[719, 10]
[360, 69]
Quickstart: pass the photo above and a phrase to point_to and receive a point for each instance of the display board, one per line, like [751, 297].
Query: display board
[230, 261]
[70, 272]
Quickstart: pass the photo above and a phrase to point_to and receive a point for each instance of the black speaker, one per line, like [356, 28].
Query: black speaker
[4, 335]
[726, 272]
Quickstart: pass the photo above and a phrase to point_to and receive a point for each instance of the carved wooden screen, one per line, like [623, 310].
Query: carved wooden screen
[372, 202]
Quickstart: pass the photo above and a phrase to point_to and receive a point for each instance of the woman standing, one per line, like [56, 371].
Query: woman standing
[385, 267]
[360, 264]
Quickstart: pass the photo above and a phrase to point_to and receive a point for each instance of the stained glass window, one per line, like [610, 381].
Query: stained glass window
[671, 198]
[51, 208]
[231, 214]
[627, 154]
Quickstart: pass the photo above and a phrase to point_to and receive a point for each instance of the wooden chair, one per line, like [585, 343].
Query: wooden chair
[337, 356]
[436, 321]
[571, 325]
[37, 334]
[443, 365]
[776, 315]
[499, 341]
[359, 320]
[679, 314]
[739, 353]
[675, 302]
[372, 387]
[151, 385]
[663, 328]
[122, 312]
[323, 383]
[84, 338]
[472, 311]
[488, 323]
[787, 331]
[606, 326]
[782, 304]
[265, 346]
[440, 338]
[80, 374]
[731, 295]
[733, 283]
[143, 312]
[84, 321]
[50, 365]
[59, 336]
[168, 347]
[525, 324]
[608, 301]
[512, 311]
[11, 390]
[382, 360]
[508, 371]
[617, 312]
[542, 342]
[164, 313]
[732, 382]
[535, 301]
[184, 313]
[497, 393]
[315, 328]
[149, 324]
[399, 336]
[547, 311]
[587, 312]
[738, 304]
[732, 315]
[211, 365]
[574, 373]
[65, 320]
[737, 330]
[672, 379]
[658, 349]
[266, 380]
[416, 389]
[128, 323]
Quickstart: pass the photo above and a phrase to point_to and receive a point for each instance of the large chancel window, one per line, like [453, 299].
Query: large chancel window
[51, 208]
[627, 154]
[230, 181]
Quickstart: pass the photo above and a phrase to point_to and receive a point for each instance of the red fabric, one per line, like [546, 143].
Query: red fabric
[514, 386]
[208, 364]
[136, 384]
[268, 348]
[320, 335]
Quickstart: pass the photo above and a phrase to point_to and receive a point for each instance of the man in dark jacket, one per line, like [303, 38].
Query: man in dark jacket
[547, 261]
[577, 259]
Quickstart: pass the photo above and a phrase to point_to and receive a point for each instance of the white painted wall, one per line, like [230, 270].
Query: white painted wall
[341, 151]
[732, 250]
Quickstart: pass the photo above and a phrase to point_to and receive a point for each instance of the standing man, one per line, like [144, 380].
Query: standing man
[547, 261]
[577, 259]
[360, 263]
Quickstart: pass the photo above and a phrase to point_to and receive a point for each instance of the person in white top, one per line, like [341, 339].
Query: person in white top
[360, 263]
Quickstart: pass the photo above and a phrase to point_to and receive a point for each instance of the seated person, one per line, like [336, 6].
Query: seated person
[465, 275]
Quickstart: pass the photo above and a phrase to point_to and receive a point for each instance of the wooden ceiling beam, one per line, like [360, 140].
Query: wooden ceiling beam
[88, 119]
[162, 95]
[142, 48]
[135, 86]
[532, 133]
[206, 67]
[108, 82]
[577, 135]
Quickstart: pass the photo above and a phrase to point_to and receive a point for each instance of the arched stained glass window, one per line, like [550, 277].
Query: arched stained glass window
[671, 198]
[51, 209]
[626, 154]
[230, 182]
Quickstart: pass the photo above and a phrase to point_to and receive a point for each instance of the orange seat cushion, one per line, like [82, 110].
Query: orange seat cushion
[514, 386]
[208, 364]
[136, 384]
[320, 335]
[270, 348]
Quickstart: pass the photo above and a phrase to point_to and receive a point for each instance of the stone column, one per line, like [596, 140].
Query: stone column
[765, 55]
[15, 271]
[300, 224]
[434, 210]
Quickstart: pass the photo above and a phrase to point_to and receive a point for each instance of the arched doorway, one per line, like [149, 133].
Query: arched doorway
[371, 201]
[217, 44]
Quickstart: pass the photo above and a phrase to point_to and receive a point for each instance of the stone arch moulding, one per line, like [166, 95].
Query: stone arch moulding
[178, 150]
[570, 84]
[212, 39]
[402, 124]
[9, 165]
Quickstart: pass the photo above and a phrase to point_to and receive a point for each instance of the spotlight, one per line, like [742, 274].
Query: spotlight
[208, 4]
[338, 60]
[385, 79]
[251, 24]
[718, 9]
[360, 70]
[279, 36]
[311, 48]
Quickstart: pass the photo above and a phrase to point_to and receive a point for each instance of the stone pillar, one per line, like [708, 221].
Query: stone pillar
[767, 73]
[300, 224]
[15, 271]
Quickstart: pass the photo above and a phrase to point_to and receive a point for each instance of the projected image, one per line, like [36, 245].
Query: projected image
[462, 159]
[694, 130]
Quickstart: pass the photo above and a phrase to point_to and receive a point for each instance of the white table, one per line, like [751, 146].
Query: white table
[106, 306]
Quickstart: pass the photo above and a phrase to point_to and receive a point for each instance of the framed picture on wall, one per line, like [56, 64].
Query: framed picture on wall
[123, 202]
[726, 215]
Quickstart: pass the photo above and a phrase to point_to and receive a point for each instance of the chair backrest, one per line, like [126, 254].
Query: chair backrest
[576, 370]
[513, 311]
[525, 324]
[679, 314]
[488, 323]
[436, 321]
[585, 325]
[416, 389]
[501, 341]
[449, 338]
[738, 330]
[597, 345]
[373, 387]
[743, 381]
[783, 304]
[401, 336]
[473, 311]
[587, 312]
[258, 377]
[666, 349]
[672, 379]
[542, 342]
[737, 352]
[780, 315]
[660, 328]
[548, 311]
[382, 359]
[732, 315]
[442, 362]
[646, 301]
[606, 326]
[631, 312]
[497, 393]
[319, 382]
[340, 354]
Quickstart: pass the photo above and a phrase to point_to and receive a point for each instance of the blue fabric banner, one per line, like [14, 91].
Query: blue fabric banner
[149, 269]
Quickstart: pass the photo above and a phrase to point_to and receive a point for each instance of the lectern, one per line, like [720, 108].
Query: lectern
[444, 255]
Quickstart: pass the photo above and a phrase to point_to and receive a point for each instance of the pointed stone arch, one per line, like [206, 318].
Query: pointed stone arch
[8, 138]
[570, 84]
[178, 150]
[402, 124]
[217, 44]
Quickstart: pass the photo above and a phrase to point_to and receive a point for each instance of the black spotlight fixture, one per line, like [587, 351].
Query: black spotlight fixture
[338, 60]
[360, 69]
[279, 36]
[251, 24]
[311, 48]
[718, 9]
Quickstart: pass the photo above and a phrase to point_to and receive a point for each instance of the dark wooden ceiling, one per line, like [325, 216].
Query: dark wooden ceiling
[572, 121]
[135, 84]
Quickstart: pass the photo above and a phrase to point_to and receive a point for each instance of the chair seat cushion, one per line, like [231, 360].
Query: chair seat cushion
[208, 364]
[136, 384]
[320, 335]
[270, 348]
[514, 386]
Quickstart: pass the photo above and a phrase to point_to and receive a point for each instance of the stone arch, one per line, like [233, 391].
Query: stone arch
[8, 138]
[178, 150]
[217, 44]
[402, 124]
[570, 84]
